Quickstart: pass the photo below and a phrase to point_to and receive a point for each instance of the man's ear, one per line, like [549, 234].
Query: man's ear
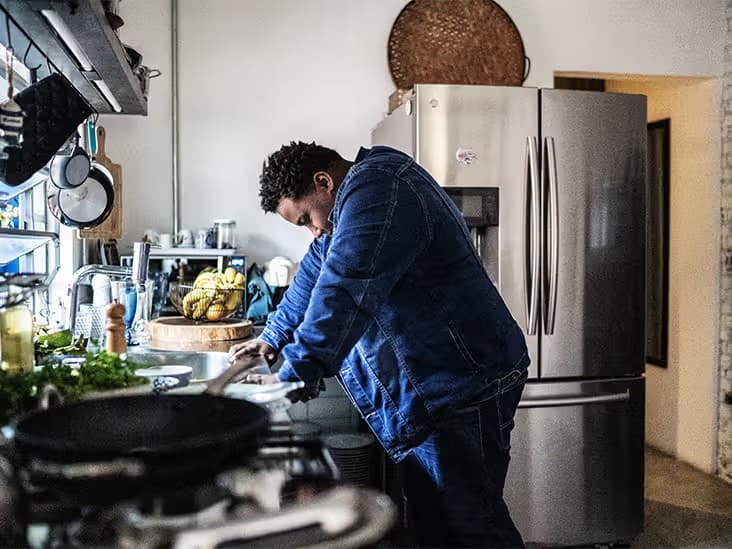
[323, 180]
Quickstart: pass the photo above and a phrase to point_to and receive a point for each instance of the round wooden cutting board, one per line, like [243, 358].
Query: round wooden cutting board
[179, 330]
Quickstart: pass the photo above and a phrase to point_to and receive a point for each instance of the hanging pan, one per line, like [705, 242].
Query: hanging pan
[90, 203]
[70, 166]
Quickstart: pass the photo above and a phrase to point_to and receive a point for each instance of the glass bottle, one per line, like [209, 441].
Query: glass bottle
[140, 335]
[16, 339]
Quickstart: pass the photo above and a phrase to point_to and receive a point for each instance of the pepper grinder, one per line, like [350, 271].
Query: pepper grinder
[116, 329]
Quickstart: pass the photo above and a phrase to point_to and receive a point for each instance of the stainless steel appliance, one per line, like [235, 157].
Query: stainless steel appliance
[563, 238]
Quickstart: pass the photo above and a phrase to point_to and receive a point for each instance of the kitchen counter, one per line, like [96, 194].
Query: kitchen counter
[206, 364]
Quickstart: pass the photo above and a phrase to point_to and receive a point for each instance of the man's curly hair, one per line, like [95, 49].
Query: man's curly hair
[288, 173]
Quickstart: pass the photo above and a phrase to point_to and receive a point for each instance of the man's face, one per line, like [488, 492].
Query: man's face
[313, 209]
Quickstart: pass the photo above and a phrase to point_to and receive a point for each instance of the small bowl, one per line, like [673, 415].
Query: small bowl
[161, 376]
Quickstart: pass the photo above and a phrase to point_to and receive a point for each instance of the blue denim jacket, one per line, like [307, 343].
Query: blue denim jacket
[396, 304]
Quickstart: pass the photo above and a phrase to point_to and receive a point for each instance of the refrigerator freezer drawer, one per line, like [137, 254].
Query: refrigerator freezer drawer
[576, 473]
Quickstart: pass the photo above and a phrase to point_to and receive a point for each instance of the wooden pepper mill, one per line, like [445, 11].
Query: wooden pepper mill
[116, 330]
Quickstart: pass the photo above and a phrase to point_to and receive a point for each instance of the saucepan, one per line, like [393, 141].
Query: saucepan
[144, 74]
[70, 166]
[107, 449]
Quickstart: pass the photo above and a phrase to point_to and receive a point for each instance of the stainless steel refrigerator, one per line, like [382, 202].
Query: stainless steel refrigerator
[552, 184]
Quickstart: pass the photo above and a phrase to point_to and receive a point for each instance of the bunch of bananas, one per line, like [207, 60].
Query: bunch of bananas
[214, 295]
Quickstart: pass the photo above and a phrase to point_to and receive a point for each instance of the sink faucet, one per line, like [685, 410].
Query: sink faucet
[138, 274]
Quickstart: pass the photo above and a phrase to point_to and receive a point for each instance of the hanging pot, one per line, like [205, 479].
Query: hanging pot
[70, 166]
[90, 203]
[87, 205]
[144, 74]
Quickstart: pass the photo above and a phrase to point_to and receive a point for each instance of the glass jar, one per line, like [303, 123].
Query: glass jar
[16, 340]
[225, 233]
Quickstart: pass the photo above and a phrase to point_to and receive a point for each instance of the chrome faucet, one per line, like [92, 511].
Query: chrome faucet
[138, 274]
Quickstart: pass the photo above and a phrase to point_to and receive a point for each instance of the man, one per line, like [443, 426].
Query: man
[392, 298]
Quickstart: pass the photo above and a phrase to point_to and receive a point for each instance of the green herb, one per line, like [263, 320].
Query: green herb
[59, 343]
[101, 371]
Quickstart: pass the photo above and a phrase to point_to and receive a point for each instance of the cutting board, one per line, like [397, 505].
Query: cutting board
[112, 226]
[184, 332]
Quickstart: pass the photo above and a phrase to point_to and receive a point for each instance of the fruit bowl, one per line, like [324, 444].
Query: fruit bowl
[205, 304]
[213, 296]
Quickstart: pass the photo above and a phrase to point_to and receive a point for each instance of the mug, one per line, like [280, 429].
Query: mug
[184, 238]
[201, 238]
[152, 236]
[166, 240]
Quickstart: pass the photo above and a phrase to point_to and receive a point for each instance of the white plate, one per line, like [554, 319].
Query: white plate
[170, 370]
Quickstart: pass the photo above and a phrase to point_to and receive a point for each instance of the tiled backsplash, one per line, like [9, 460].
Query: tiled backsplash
[332, 410]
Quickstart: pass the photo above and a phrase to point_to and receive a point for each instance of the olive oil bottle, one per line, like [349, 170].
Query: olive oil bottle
[16, 339]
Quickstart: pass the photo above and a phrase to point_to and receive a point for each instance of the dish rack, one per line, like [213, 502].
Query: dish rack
[18, 288]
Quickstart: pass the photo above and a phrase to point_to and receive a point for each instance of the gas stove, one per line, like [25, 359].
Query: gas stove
[288, 495]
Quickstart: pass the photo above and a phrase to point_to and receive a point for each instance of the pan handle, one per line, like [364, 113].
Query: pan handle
[233, 373]
[89, 470]
[48, 393]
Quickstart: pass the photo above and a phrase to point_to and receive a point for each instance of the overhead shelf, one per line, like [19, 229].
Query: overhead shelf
[191, 252]
[105, 79]
[188, 253]
[15, 243]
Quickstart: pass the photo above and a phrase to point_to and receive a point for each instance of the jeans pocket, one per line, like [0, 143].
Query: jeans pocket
[506, 403]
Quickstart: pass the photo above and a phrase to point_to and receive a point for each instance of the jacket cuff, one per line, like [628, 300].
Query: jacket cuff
[271, 338]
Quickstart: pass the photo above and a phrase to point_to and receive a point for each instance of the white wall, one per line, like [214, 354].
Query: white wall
[664, 37]
[681, 408]
[257, 73]
[142, 145]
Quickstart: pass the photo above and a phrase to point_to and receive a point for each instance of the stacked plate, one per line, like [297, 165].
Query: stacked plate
[355, 456]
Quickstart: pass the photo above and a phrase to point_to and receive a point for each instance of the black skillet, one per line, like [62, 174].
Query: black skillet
[107, 449]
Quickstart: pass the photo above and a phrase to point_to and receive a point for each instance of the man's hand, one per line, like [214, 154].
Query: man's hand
[252, 347]
[298, 395]
[261, 379]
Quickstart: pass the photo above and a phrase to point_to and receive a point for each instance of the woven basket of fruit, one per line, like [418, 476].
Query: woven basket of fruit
[211, 297]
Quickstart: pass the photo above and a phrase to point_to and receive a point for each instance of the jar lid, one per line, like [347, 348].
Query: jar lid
[224, 222]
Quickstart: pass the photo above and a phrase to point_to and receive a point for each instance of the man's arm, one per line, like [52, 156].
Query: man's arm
[382, 228]
[291, 310]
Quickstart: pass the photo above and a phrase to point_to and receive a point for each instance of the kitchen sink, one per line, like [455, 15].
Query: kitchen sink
[206, 365]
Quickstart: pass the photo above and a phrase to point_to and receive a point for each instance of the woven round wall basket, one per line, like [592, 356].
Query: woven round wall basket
[456, 42]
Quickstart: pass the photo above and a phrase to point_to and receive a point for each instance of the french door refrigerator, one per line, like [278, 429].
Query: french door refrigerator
[552, 183]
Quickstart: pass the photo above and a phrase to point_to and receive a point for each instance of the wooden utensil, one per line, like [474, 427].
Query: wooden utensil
[112, 226]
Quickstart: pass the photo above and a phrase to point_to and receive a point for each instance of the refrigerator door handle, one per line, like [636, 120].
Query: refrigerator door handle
[552, 240]
[531, 236]
[574, 401]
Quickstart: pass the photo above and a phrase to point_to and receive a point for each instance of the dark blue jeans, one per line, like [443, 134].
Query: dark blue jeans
[454, 480]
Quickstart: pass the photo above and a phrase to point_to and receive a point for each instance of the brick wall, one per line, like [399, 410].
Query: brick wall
[724, 458]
